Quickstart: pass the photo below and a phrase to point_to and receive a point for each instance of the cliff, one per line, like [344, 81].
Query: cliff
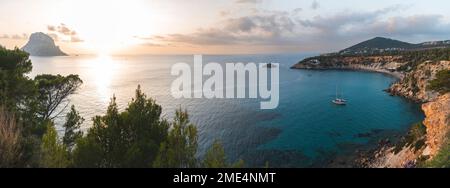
[425, 140]
[437, 122]
[414, 85]
[421, 145]
[41, 44]
[384, 64]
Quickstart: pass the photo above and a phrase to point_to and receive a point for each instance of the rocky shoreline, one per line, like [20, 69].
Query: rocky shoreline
[411, 85]
[397, 75]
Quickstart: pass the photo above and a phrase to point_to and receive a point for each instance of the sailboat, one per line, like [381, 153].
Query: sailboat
[337, 100]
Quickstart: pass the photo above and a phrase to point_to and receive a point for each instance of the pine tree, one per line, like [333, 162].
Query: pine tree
[215, 156]
[124, 139]
[53, 153]
[72, 128]
[181, 146]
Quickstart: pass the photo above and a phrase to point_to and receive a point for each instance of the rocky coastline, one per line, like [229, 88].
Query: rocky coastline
[411, 84]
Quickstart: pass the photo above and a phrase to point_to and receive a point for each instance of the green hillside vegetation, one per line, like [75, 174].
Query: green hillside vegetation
[442, 82]
[380, 43]
[412, 58]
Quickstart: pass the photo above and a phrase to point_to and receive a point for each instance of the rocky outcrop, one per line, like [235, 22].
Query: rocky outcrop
[411, 153]
[41, 44]
[385, 157]
[329, 62]
[414, 84]
[383, 64]
[437, 122]
[435, 106]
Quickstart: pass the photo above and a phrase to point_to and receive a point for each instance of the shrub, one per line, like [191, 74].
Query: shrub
[442, 82]
[442, 158]
[414, 138]
[10, 140]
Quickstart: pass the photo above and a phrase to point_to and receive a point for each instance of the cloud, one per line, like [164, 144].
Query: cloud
[322, 32]
[51, 28]
[4, 36]
[22, 36]
[297, 10]
[224, 13]
[53, 36]
[75, 39]
[63, 31]
[256, 29]
[375, 23]
[315, 5]
[248, 1]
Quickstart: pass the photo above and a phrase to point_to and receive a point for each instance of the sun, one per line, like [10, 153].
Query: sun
[108, 27]
[103, 71]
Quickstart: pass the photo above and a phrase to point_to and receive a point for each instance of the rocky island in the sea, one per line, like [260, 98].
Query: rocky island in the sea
[423, 72]
[41, 44]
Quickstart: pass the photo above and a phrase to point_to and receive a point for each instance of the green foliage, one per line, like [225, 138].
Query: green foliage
[215, 158]
[442, 159]
[72, 128]
[15, 86]
[128, 139]
[88, 153]
[411, 58]
[417, 57]
[53, 90]
[32, 101]
[442, 82]
[178, 151]
[53, 153]
[379, 43]
[136, 137]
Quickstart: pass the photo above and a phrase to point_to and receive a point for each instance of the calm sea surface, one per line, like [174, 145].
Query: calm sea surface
[305, 130]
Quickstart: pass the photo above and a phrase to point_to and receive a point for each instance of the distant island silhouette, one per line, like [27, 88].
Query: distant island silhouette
[41, 44]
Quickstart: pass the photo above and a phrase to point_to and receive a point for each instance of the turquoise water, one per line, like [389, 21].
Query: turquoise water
[305, 130]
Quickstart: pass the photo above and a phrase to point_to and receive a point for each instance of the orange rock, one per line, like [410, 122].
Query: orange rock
[437, 122]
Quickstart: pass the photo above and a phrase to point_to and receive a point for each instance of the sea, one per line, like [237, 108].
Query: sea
[305, 130]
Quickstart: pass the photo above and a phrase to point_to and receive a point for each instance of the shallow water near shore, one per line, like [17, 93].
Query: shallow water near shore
[305, 130]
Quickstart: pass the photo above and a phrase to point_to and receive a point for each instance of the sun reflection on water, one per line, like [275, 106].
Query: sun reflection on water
[104, 69]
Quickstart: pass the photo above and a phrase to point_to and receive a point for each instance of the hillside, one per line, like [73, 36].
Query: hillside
[376, 44]
[379, 45]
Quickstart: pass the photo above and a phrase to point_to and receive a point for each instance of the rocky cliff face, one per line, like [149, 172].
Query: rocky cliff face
[435, 106]
[41, 44]
[437, 122]
[414, 83]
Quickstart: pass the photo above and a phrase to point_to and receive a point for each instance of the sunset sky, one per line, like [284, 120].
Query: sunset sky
[219, 26]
